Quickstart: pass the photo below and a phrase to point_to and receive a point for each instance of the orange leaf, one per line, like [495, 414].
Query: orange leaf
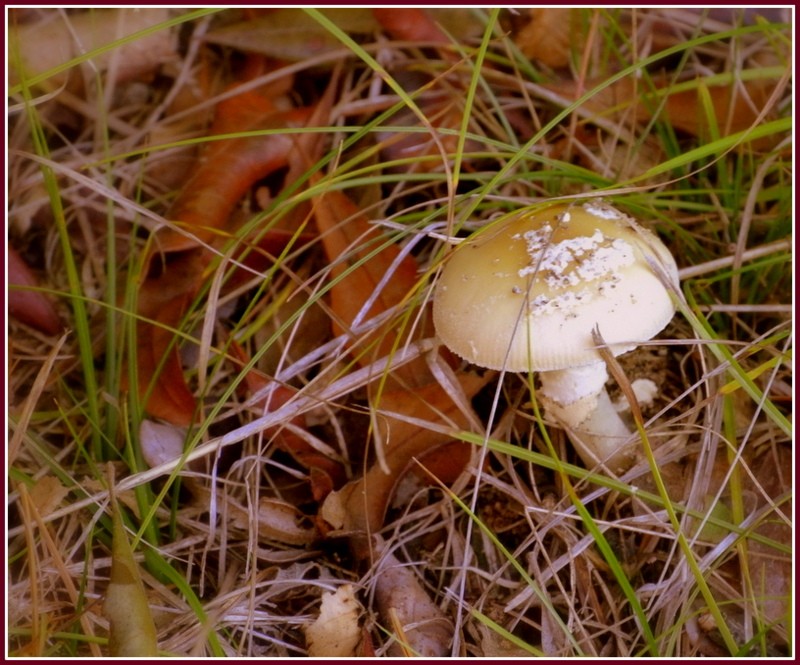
[162, 303]
[410, 24]
[364, 501]
[228, 168]
[31, 307]
[226, 171]
[735, 108]
[550, 35]
[349, 239]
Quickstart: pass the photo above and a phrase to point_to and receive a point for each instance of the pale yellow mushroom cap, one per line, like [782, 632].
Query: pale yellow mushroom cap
[527, 293]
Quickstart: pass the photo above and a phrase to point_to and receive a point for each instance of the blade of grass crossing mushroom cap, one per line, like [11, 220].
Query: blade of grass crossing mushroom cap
[526, 295]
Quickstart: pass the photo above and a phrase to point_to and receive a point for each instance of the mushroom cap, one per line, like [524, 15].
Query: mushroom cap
[526, 293]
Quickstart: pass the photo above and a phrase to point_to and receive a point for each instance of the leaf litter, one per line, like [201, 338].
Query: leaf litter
[332, 532]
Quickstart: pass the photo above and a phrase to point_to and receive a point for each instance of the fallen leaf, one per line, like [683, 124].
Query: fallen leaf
[275, 520]
[160, 443]
[227, 169]
[70, 35]
[30, 307]
[551, 35]
[291, 34]
[420, 626]
[359, 508]
[382, 279]
[769, 569]
[325, 473]
[162, 303]
[132, 631]
[735, 107]
[411, 24]
[335, 633]
[47, 494]
[495, 646]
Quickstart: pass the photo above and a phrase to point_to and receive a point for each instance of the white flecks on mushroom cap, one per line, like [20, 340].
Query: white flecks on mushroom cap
[527, 293]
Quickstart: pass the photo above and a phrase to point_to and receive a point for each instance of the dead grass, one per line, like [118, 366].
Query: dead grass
[525, 551]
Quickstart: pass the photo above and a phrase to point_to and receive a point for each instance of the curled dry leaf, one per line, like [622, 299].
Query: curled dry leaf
[132, 631]
[421, 628]
[226, 171]
[275, 520]
[335, 633]
[228, 168]
[360, 506]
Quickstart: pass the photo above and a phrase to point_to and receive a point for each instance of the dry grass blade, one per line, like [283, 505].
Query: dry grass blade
[238, 218]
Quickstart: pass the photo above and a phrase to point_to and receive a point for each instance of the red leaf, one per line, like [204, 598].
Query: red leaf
[31, 307]
[162, 303]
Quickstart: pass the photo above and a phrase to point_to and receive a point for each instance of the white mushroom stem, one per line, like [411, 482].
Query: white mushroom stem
[577, 398]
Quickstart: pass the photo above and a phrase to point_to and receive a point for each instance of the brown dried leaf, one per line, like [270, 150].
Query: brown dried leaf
[275, 520]
[735, 107]
[360, 506]
[494, 645]
[411, 24]
[227, 169]
[47, 494]
[225, 172]
[67, 36]
[771, 570]
[325, 473]
[162, 303]
[291, 34]
[335, 633]
[349, 238]
[420, 626]
[551, 35]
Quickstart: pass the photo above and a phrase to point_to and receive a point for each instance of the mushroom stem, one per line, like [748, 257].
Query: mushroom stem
[577, 398]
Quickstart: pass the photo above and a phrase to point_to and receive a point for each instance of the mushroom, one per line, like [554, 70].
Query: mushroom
[526, 295]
